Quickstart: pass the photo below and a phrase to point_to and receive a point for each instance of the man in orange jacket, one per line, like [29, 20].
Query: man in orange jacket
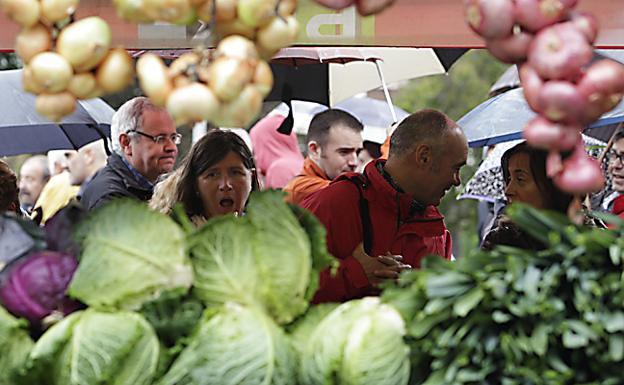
[386, 219]
[334, 140]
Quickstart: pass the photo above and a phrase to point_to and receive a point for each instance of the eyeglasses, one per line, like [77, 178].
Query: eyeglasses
[614, 155]
[161, 139]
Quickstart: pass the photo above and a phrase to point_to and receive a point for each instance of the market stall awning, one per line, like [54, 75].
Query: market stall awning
[415, 23]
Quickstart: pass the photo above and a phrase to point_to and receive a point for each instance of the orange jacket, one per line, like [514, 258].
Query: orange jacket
[311, 179]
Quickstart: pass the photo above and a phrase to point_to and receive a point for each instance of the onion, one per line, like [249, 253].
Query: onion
[542, 133]
[531, 84]
[581, 174]
[154, 79]
[171, 11]
[53, 11]
[279, 33]
[180, 65]
[559, 52]
[241, 111]
[492, 19]
[33, 40]
[24, 12]
[55, 106]
[233, 28]
[51, 71]
[287, 7]
[560, 101]
[263, 78]
[83, 85]
[29, 83]
[602, 85]
[192, 103]
[554, 164]
[226, 10]
[256, 13]
[237, 47]
[132, 11]
[586, 23]
[370, 7]
[510, 49]
[85, 43]
[181, 81]
[336, 4]
[537, 14]
[228, 77]
[116, 71]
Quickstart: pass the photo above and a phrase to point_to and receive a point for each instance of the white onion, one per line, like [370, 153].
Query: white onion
[33, 40]
[241, 111]
[83, 85]
[287, 7]
[233, 28]
[132, 11]
[228, 77]
[263, 78]
[116, 71]
[29, 83]
[55, 106]
[192, 103]
[256, 13]
[53, 11]
[279, 33]
[85, 42]
[155, 81]
[237, 47]
[24, 12]
[171, 11]
[51, 71]
[183, 63]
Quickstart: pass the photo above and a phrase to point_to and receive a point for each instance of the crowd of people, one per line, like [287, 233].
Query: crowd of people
[380, 210]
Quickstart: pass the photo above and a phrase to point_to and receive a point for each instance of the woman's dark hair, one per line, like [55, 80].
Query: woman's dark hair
[555, 199]
[207, 152]
[8, 189]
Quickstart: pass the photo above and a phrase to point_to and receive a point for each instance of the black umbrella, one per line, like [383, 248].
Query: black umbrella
[24, 131]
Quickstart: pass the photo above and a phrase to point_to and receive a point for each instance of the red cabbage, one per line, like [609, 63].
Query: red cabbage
[35, 286]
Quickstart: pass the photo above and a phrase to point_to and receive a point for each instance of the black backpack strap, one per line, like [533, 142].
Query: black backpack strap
[361, 182]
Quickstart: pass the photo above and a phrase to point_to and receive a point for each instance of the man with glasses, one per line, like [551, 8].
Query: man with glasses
[144, 141]
[616, 169]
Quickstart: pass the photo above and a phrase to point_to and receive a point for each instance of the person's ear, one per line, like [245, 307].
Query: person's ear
[124, 142]
[423, 155]
[314, 150]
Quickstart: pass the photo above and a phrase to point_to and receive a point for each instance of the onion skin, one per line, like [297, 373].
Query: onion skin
[85, 43]
[51, 71]
[24, 12]
[560, 101]
[154, 79]
[531, 85]
[116, 71]
[559, 52]
[192, 103]
[33, 40]
[491, 19]
[534, 15]
[55, 106]
[511, 49]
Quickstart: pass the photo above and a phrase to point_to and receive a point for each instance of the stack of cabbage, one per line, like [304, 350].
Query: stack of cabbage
[223, 304]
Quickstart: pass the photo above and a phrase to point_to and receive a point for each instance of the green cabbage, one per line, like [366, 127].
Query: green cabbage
[235, 345]
[359, 343]
[129, 255]
[15, 345]
[301, 330]
[264, 258]
[91, 347]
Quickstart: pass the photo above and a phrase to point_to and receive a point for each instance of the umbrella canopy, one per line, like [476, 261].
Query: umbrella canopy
[487, 183]
[24, 131]
[503, 117]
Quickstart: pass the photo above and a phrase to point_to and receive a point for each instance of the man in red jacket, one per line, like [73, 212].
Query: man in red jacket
[386, 220]
[616, 169]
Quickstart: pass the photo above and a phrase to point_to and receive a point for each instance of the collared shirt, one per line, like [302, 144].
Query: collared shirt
[416, 207]
[143, 182]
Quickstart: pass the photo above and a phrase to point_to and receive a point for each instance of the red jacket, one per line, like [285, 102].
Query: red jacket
[618, 206]
[337, 207]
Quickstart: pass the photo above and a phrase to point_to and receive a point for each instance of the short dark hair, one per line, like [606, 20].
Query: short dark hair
[323, 121]
[8, 188]
[619, 133]
[555, 199]
[208, 151]
[422, 126]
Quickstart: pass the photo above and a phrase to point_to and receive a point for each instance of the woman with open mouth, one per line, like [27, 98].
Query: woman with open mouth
[215, 178]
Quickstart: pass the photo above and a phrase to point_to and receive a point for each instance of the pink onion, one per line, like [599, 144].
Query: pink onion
[492, 19]
[531, 84]
[511, 49]
[560, 101]
[586, 23]
[537, 14]
[336, 4]
[580, 174]
[554, 164]
[542, 133]
[559, 52]
[602, 85]
[370, 7]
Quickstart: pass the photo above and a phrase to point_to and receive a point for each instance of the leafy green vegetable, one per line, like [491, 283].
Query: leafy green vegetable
[129, 255]
[15, 345]
[91, 347]
[235, 345]
[264, 258]
[517, 317]
[301, 330]
[360, 342]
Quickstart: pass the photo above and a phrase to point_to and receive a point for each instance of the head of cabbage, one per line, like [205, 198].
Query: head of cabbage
[15, 345]
[360, 342]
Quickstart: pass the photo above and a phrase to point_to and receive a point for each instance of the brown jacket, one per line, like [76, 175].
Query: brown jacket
[311, 179]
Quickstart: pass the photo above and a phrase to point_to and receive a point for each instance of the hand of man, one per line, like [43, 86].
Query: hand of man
[378, 269]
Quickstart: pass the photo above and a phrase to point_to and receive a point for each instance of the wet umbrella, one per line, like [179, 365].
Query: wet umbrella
[24, 131]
